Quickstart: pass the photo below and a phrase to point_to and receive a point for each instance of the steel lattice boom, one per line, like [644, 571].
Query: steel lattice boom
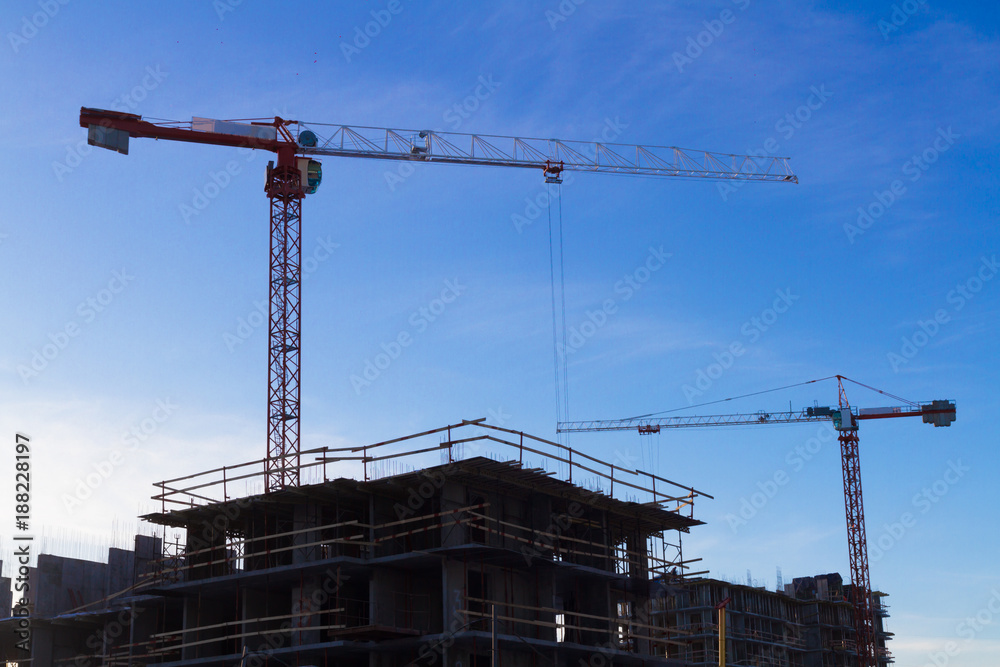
[930, 411]
[491, 150]
[653, 425]
[295, 175]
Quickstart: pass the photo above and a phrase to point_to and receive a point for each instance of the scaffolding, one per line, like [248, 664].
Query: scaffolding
[375, 459]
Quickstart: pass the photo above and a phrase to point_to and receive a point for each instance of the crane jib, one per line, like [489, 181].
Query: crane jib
[294, 175]
[938, 413]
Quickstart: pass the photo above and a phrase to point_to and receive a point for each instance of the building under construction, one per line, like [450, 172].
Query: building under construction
[508, 545]
[809, 623]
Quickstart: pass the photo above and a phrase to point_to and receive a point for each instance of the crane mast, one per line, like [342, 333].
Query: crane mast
[857, 540]
[294, 175]
[284, 189]
[845, 421]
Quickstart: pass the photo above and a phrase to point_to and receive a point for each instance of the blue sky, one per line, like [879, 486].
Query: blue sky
[888, 109]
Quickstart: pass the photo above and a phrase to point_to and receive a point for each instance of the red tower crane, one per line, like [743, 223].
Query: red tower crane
[845, 421]
[296, 175]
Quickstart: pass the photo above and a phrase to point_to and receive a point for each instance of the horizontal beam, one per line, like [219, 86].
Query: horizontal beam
[653, 425]
[493, 150]
[357, 141]
[136, 127]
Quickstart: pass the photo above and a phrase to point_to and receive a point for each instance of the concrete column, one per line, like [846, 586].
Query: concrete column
[306, 598]
[306, 515]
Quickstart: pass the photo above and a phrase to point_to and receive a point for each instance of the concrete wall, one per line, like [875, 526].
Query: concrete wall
[453, 497]
[148, 551]
[201, 612]
[263, 604]
[120, 572]
[6, 595]
[61, 584]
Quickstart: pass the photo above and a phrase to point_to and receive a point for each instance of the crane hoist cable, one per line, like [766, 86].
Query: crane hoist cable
[555, 324]
[768, 391]
[558, 303]
[733, 398]
[562, 298]
[879, 391]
